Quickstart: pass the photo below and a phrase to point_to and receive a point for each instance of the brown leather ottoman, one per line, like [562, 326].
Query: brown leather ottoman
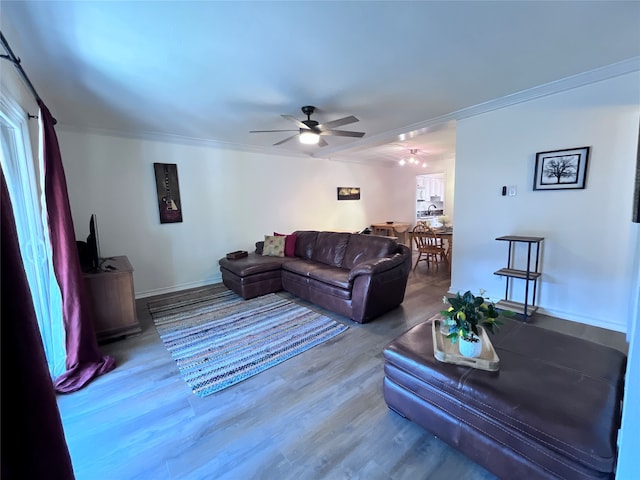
[551, 411]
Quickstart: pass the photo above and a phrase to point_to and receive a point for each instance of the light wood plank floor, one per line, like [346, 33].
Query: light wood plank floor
[319, 415]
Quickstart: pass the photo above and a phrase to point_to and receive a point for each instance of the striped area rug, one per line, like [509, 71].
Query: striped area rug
[219, 339]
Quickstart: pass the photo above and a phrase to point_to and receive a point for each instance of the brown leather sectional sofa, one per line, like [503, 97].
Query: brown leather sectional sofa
[358, 276]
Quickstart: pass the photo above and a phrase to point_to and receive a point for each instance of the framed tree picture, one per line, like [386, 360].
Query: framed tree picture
[561, 169]
[168, 191]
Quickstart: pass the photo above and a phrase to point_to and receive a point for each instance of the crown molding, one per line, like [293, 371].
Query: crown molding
[624, 67]
[569, 83]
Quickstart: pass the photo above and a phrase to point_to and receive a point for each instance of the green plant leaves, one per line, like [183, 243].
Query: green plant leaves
[467, 312]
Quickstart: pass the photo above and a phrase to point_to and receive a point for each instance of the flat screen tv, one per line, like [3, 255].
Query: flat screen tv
[93, 243]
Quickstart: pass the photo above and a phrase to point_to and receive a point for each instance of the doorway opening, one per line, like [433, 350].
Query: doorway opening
[430, 193]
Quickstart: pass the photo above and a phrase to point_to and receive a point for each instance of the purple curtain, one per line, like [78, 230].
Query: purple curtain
[33, 443]
[84, 360]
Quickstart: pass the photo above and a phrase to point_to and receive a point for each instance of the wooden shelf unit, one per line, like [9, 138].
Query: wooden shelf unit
[530, 274]
[112, 299]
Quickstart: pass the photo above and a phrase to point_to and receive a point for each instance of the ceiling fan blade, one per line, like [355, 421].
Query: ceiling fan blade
[296, 121]
[286, 140]
[337, 123]
[268, 131]
[342, 133]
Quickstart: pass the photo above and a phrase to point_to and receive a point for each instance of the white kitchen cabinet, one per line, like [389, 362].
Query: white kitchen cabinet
[430, 190]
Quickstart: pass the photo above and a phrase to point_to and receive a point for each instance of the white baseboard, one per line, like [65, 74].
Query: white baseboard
[176, 288]
[594, 322]
[564, 315]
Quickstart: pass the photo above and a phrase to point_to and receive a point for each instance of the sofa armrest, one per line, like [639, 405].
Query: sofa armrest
[379, 286]
[376, 265]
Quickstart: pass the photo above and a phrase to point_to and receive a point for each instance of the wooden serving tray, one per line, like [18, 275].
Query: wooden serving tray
[237, 254]
[445, 351]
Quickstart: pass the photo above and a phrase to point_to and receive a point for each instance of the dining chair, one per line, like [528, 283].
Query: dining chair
[429, 245]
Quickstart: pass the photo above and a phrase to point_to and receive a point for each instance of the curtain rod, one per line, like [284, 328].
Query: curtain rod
[16, 61]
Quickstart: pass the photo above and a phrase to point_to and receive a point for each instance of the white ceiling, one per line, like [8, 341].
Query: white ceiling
[212, 71]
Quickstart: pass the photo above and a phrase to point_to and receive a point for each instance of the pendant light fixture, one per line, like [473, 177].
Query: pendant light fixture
[412, 159]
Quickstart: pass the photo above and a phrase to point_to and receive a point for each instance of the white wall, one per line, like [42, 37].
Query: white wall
[589, 244]
[230, 200]
[629, 438]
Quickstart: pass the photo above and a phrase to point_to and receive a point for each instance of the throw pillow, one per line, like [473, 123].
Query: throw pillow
[289, 243]
[273, 246]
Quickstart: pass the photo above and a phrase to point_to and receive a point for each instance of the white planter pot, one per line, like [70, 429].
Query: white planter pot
[470, 349]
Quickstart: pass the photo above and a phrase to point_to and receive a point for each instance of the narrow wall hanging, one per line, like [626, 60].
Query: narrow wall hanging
[168, 191]
[348, 193]
[561, 169]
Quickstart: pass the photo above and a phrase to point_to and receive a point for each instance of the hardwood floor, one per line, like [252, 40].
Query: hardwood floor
[319, 415]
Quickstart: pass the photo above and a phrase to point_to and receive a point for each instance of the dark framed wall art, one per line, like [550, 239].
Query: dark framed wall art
[168, 191]
[348, 193]
[561, 169]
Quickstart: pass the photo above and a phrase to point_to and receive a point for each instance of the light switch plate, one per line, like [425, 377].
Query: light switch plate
[512, 191]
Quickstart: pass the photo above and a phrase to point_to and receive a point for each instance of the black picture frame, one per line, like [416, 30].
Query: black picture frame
[348, 193]
[168, 191]
[561, 169]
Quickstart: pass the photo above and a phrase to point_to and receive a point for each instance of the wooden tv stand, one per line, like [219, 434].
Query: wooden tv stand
[112, 299]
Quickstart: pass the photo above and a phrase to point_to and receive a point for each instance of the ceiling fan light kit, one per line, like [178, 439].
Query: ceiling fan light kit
[309, 138]
[310, 132]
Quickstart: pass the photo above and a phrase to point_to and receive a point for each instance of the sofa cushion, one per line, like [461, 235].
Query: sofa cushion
[289, 243]
[300, 266]
[304, 243]
[336, 276]
[332, 277]
[318, 289]
[330, 248]
[362, 248]
[273, 246]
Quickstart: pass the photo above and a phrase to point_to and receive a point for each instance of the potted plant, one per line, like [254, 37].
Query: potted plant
[467, 313]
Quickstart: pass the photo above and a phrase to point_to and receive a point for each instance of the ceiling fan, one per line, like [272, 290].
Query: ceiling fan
[310, 131]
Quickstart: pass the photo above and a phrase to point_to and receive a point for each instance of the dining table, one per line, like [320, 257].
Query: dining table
[393, 229]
